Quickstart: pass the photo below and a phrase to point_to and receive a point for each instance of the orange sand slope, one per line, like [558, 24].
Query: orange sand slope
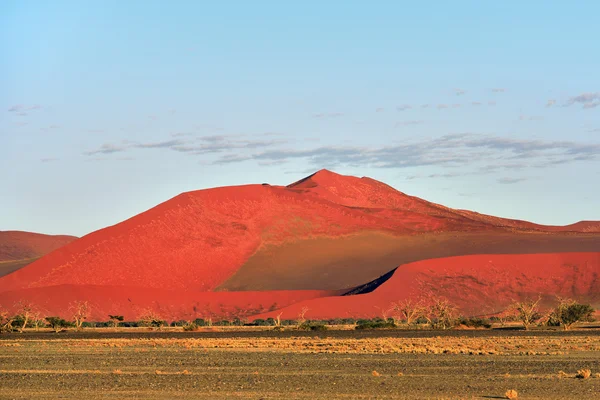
[326, 232]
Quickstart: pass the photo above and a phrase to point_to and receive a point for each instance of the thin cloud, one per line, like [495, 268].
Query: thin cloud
[22, 109]
[193, 146]
[408, 123]
[550, 102]
[586, 100]
[329, 115]
[498, 90]
[49, 159]
[403, 107]
[160, 145]
[379, 109]
[107, 148]
[523, 117]
[510, 181]
[459, 92]
[456, 150]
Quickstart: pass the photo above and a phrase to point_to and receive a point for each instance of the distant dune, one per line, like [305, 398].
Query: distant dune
[18, 249]
[317, 238]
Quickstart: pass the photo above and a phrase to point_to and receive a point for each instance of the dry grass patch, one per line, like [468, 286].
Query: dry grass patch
[583, 374]
[510, 345]
[511, 394]
[562, 374]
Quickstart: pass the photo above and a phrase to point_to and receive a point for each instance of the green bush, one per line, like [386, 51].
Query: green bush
[375, 323]
[570, 312]
[312, 326]
[57, 323]
[475, 322]
[190, 327]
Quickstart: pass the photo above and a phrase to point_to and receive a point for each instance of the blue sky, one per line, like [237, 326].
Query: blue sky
[109, 108]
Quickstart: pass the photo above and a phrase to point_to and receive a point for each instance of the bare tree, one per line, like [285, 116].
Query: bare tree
[37, 320]
[6, 321]
[385, 312]
[81, 311]
[150, 318]
[302, 314]
[441, 314]
[408, 311]
[25, 313]
[527, 311]
[506, 316]
[113, 320]
[278, 319]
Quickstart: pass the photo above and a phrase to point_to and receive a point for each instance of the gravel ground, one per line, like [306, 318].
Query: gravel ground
[66, 367]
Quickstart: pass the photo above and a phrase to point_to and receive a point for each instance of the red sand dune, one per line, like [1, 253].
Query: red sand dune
[18, 248]
[479, 285]
[18, 245]
[326, 231]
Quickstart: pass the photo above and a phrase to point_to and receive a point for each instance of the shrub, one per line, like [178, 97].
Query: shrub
[312, 326]
[190, 327]
[569, 312]
[57, 323]
[259, 322]
[511, 394]
[115, 320]
[583, 374]
[151, 320]
[475, 322]
[376, 323]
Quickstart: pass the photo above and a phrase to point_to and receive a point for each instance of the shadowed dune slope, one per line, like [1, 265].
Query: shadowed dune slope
[18, 249]
[349, 261]
[479, 285]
